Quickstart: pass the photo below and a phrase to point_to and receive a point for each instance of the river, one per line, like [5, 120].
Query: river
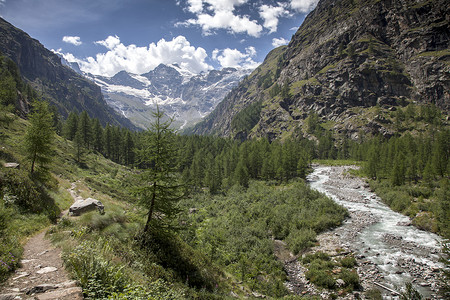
[389, 250]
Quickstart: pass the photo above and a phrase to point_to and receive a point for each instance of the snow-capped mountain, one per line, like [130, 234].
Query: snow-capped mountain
[185, 96]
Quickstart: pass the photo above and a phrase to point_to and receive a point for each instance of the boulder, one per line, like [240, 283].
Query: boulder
[72, 293]
[82, 206]
[340, 282]
[11, 165]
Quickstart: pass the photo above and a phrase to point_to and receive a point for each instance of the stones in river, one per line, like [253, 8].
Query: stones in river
[86, 205]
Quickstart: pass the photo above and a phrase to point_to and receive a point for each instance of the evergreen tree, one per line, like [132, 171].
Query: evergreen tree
[70, 126]
[79, 146]
[97, 136]
[108, 141]
[159, 191]
[128, 146]
[39, 136]
[84, 128]
[241, 174]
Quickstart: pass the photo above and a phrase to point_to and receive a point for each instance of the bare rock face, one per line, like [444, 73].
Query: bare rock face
[62, 86]
[86, 205]
[347, 55]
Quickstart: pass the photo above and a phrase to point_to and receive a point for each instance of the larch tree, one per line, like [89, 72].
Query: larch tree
[39, 136]
[160, 190]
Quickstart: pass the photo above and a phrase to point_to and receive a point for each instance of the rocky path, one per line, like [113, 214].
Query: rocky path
[42, 275]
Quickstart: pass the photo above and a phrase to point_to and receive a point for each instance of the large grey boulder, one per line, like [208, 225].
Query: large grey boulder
[82, 206]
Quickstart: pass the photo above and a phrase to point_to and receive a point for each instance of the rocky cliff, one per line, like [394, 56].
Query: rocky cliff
[347, 57]
[59, 84]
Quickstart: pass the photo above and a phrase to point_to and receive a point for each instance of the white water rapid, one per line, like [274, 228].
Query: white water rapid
[397, 251]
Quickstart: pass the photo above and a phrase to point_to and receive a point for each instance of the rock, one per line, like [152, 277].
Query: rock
[73, 293]
[41, 288]
[404, 223]
[82, 206]
[21, 274]
[47, 270]
[340, 282]
[68, 284]
[11, 296]
[257, 295]
[11, 165]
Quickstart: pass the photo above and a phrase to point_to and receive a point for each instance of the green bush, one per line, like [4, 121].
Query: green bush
[157, 290]
[299, 240]
[321, 278]
[348, 262]
[350, 278]
[98, 275]
[315, 256]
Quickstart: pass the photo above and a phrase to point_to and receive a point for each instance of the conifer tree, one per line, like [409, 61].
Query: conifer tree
[70, 126]
[84, 128]
[108, 141]
[159, 191]
[97, 136]
[241, 174]
[39, 136]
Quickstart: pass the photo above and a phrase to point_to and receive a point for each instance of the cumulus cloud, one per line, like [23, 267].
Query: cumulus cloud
[277, 42]
[235, 58]
[304, 6]
[220, 14]
[271, 14]
[110, 42]
[139, 60]
[74, 40]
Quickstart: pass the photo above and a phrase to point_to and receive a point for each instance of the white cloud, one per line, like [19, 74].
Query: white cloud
[234, 58]
[111, 42]
[271, 14]
[195, 6]
[74, 40]
[277, 42]
[139, 60]
[220, 14]
[304, 6]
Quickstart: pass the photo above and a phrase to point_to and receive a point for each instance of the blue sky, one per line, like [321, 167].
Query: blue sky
[108, 36]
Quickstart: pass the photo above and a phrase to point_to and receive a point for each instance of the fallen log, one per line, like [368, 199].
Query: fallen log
[388, 289]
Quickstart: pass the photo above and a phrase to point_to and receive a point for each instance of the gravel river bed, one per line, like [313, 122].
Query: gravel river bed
[389, 250]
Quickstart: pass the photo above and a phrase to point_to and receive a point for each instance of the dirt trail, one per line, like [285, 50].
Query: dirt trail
[42, 275]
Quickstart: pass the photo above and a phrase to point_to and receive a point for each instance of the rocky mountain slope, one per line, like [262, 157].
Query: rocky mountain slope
[185, 96]
[349, 60]
[63, 87]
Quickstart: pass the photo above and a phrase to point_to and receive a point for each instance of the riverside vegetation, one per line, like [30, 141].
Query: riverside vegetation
[232, 200]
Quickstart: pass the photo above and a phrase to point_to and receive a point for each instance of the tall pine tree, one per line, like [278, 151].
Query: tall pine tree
[159, 190]
[39, 136]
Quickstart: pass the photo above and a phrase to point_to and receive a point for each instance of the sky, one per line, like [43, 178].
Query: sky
[108, 36]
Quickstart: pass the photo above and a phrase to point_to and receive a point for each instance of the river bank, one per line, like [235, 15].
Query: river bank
[389, 251]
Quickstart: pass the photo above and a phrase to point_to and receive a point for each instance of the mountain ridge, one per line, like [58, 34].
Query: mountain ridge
[346, 56]
[184, 96]
[62, 86]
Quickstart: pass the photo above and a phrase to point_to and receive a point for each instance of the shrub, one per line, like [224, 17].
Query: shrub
[98, 275]
[350, 278]
[320, 278]
[348, 262]
[299, 240]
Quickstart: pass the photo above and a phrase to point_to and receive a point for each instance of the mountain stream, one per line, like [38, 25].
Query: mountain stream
[389, 250]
